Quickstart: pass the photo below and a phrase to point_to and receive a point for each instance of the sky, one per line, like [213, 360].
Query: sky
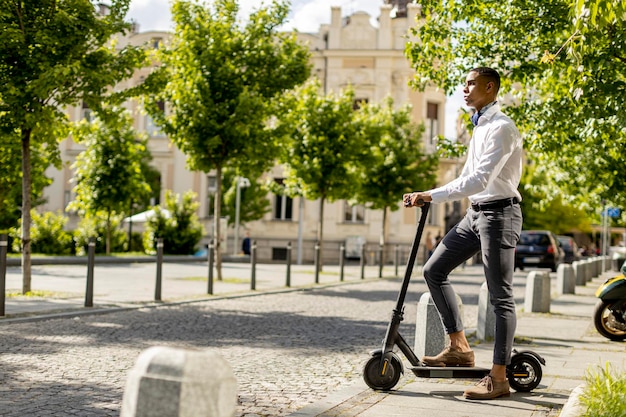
[306, 16]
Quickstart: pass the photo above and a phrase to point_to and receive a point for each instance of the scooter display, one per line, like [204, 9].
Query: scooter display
[609, 315]
[384, 368]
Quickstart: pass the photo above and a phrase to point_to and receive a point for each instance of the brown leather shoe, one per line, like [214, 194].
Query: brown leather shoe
[488, 389]
[450, 357]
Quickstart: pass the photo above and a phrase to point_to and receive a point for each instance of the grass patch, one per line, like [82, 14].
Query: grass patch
[226, 280]
[38, 294]
[604, 393]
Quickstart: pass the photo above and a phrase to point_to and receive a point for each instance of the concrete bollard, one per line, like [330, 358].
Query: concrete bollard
[430, 335]
[579, 272]
[565, 279]
[537, 298]
[171, 382]
[486, 325]
[588, 270]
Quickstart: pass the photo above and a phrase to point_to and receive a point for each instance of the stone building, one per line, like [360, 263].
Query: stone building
[348, 51]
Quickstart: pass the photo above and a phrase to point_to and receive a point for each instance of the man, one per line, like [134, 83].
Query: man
[493, 224]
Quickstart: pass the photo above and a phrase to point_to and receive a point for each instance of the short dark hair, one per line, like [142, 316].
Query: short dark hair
[490, 74]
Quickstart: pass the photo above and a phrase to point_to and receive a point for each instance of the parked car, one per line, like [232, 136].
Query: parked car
[570, 248]
[538, 249]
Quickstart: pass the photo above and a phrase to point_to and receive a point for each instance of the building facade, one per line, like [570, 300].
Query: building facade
[348, 51]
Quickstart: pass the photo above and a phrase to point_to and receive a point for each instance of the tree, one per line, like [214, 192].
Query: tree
[219, 80]
[324, 149]
[254, 203]
[53, 55]
[108, 173]
[395, 162]
[180, 229]
[11, 180]
[562, 62]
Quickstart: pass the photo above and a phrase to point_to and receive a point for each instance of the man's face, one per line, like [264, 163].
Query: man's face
[478, 91]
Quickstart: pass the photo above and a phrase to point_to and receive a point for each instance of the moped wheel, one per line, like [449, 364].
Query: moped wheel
[374, 377]
[524, 372]
[609, 319]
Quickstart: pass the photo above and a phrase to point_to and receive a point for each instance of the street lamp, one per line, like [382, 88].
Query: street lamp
[241, 183]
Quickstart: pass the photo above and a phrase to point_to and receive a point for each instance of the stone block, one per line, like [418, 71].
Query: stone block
[579, 272]
[537, 298]
[430, 335]
[486, 324]
[171, 382]
[565, 279]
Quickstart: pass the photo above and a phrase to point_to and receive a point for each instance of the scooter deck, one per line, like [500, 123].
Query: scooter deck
[450, 371]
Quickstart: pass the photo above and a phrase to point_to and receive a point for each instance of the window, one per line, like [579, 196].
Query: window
[156, 42]
[151, 127]
[354, 213]
[211, 190]
[359, 102]
[86, 114]
[432, 122]
[283, 205]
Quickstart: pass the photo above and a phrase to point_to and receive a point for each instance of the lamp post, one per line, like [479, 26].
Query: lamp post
[241, 183]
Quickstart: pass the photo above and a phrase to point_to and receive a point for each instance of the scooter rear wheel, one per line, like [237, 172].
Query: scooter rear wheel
[608, 317]
[524, 372]
[374, 377]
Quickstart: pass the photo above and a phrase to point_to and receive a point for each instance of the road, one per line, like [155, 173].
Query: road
[287, 349]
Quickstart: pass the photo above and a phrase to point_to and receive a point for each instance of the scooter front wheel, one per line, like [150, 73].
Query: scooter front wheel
[609, 317]
[382, 379]
[524, 372]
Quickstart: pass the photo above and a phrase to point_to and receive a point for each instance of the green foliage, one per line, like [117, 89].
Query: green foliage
[11, 178]
[604, 393]
[549, 211]
[48, 235]
[219, 79]
[395, 162]
[179, 226]
[324, 144]
[253, 199]
[55, 54]
[568, 104]
[97, 227]
[108, 173]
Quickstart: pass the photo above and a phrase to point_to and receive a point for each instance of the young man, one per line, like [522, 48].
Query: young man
[493, 224]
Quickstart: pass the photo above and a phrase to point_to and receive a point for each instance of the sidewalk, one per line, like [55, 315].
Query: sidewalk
[565, 337]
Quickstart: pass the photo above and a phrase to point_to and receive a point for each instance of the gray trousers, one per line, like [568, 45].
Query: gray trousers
[496, 233]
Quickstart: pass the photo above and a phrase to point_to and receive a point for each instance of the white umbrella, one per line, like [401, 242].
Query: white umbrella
[145, 216]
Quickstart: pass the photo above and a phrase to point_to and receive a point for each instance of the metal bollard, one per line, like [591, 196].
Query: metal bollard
[91, 252]
[210, 260]
[253, 265]
[288, 280]
[342, 258]
[363, 262]
[317, 262]
[3, 271]
[159, 269]
[380, 259]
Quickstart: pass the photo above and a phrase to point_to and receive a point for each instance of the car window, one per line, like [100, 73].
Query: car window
[534, 239]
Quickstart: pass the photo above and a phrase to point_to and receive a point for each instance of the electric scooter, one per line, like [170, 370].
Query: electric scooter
[384, 368]
[609, 315]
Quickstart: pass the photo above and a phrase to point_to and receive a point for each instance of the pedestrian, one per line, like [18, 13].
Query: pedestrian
[493, 223]
[245, 244]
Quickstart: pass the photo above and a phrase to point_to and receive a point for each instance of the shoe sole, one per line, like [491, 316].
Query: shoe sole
[470, 397]
[449, 365]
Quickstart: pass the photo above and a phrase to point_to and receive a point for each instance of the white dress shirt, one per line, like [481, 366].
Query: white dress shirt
[493, 167]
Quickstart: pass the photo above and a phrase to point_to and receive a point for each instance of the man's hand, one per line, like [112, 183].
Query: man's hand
[416, 199]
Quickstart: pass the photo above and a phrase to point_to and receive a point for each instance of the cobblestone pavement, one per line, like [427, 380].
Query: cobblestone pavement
[286, 349]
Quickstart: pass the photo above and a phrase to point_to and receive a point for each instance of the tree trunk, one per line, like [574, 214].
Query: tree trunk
[26, 204]
[320, 233]
[216, 223]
